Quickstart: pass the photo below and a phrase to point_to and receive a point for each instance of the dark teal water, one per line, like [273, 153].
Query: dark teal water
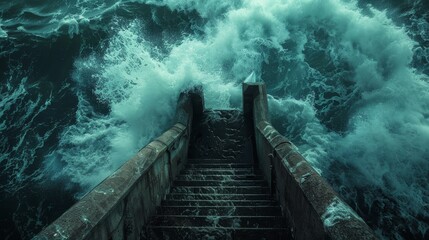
[348, 83]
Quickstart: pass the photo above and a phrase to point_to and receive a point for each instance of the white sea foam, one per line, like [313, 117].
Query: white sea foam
[336, 212]
[3, 34]
[251, 78]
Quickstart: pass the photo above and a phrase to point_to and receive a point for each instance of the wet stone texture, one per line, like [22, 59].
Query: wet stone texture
[219, 194]
[221, 134]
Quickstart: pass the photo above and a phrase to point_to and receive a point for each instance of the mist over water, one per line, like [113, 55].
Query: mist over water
[85, 84]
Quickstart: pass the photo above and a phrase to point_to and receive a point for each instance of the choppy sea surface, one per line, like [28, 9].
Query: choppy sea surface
[86, 83]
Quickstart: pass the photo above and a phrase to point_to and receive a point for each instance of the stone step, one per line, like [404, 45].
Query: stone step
[220, 211]
[216, 161]
[193, 233]
[187, 196]
[221, 135]
[222, 171]
[220, 183]
[219, 221]
[219, 203]
[222, 190]
[201, 177]
[219, 165]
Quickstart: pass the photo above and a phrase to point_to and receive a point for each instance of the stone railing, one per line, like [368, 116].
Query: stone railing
[120, 206]
[314, 210]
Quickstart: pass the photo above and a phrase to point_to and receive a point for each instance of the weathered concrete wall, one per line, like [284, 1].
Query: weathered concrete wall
[314, 210]
[119, 207]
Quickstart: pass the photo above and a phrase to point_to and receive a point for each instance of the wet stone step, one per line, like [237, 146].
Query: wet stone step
[236, 171]
[225, 183]
[218, 165]
[219, 203]
[220, 211]
[193, 233]
[220, 135]
[187, 196]
[222, 190]
[219, 221]
[217, 161]
[191, 177]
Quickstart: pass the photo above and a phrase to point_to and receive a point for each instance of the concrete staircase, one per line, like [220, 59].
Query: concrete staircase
[219, 194]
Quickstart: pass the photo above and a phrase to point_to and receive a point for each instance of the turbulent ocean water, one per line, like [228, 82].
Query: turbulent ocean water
[86, 83]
